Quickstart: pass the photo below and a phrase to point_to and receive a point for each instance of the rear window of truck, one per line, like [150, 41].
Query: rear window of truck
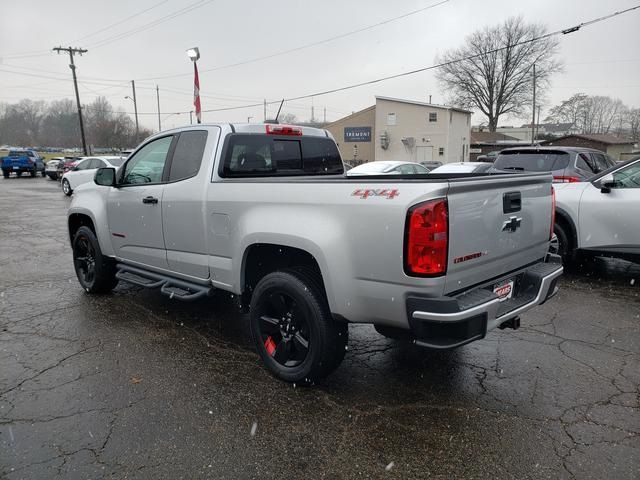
[255, 155]
[528, 161]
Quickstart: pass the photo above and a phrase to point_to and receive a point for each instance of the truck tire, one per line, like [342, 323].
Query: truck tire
[33, 172]
[66, 187]
[96, 272]
[5, 174]
[293, 330]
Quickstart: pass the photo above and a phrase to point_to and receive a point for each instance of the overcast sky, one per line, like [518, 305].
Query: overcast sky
[602, 59]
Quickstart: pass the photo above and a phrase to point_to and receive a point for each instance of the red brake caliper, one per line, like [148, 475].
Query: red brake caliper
[270, 345]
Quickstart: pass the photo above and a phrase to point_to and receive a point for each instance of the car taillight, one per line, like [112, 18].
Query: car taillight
[427, 239]
[553, 211]
[30, 161]
[284, 130]
[563, 179]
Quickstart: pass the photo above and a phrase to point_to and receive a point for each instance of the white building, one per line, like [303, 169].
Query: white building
[396, 129]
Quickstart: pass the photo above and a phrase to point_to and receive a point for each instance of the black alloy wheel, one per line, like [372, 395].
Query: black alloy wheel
[293, 329]
[96, 272]
[284, 330]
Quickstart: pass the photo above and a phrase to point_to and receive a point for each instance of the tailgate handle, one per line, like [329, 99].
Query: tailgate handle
[511, 202]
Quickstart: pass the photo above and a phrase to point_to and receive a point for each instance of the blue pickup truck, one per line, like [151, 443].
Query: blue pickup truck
[22, 161]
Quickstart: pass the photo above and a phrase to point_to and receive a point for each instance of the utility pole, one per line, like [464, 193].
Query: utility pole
[72, 66]
[158, 97]
[265, 110]
[324, 115]
[538, 123]
[135, 110]
[533, 125]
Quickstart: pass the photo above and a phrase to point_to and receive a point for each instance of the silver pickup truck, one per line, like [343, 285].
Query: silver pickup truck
[266, 213]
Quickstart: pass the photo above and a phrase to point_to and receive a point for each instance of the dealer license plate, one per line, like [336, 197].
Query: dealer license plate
[504, 290]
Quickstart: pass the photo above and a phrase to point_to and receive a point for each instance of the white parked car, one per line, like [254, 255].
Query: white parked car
[600, 217]
[463, 167]
[387, 168]
[85, 170]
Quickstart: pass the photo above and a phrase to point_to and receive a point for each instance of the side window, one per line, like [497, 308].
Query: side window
[628, 177]
[97, 163]
[85, 164]
[187, 156]
[583, 162]
[406, 169]
[147, 165]
[600, 162]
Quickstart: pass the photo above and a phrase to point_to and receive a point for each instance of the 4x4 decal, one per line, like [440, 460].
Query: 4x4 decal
[389, 193]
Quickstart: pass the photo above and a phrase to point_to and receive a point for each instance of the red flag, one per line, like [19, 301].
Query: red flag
[196, 93]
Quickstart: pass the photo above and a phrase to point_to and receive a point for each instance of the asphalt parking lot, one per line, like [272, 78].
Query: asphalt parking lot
[135, 385]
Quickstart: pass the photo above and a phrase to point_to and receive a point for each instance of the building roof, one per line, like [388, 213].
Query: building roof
[490, 137]
[605, 138]
[423, 104]
[340, 120]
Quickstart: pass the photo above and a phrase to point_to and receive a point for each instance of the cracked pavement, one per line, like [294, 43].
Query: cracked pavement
[135, 385]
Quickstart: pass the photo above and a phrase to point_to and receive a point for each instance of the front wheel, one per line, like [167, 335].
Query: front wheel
[96, 273]
[66, 187]
[293, 329]
[33, 172]
[562, 245]
[5, 174]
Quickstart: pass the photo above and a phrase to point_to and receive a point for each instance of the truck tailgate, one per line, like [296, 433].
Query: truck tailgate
[496, 225]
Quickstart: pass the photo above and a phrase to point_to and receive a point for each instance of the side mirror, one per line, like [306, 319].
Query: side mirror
[607, 183]
[105, 177]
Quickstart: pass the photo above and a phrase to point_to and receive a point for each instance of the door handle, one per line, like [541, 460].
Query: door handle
[149, 199]
[511, 202]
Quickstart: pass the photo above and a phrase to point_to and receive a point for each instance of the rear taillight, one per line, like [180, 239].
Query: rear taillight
[284, 130]
[553, 211]
[563, 179]
[427, 239]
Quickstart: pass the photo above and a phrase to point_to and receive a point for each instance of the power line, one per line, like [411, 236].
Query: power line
[412, 72]
[142, 28]
[307, 45]
[120, 22]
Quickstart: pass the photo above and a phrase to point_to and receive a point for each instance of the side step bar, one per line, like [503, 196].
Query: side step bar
[169, 286]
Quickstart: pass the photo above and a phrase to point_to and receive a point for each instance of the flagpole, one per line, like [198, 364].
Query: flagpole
[194, 55]
[196, 92]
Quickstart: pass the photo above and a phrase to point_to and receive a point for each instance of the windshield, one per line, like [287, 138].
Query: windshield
[17, 153]
[532, 161]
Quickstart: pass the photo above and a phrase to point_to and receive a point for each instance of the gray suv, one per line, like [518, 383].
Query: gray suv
[566, 164]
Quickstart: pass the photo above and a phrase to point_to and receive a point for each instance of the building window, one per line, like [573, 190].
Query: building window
[433, 117]
[441, 151]
[391, 118]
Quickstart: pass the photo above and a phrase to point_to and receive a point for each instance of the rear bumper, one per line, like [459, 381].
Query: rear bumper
[450, 322]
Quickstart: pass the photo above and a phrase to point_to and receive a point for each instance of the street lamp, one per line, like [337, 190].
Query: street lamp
[194, 55]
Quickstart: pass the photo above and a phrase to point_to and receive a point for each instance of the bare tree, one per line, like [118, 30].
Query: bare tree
[592, 114]
[493, 71]
[633, 122]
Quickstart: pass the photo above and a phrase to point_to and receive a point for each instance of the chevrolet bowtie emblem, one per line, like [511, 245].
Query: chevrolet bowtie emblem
[512, 224]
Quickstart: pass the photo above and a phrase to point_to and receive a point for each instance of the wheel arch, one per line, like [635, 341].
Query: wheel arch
[564, 219]
[260, 259]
